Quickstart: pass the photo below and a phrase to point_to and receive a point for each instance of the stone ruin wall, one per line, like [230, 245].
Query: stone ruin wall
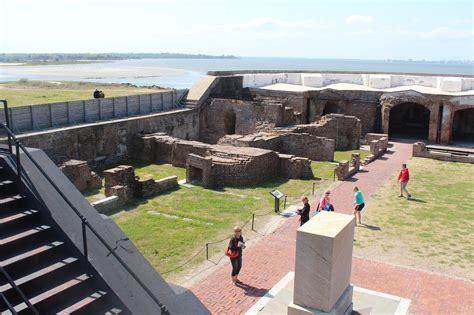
[249, 116]
[112, 141]
[218, 165]
[345, 130]
[286, 142]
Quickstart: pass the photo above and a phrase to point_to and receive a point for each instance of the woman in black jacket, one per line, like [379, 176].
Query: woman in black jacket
[304, 212]
[236, 244]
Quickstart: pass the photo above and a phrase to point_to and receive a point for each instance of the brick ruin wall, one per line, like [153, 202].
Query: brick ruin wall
[226, 116]
[81, 175]
[299, 144]
[345, 130]
[217, 165]
[420, 150]
[112, 141]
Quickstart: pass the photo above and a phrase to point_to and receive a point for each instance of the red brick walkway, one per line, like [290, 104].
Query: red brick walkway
[266, 262]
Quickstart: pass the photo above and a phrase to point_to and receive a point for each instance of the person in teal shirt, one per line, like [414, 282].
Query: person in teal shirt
[359, 204]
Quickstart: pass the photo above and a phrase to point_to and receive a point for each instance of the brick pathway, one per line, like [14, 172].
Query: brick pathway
[266, 262]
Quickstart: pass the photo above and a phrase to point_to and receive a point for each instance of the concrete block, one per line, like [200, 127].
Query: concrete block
[451, 84]
[323, 260]
[342, 307]
[312, 80]
[380, 81]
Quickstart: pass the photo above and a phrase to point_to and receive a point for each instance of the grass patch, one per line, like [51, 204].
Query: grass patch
[26, 92]
[325, 170]
[173, 226]
[434, 230]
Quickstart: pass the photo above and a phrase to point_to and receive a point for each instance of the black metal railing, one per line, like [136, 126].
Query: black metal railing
[13, 141]
[19, 291]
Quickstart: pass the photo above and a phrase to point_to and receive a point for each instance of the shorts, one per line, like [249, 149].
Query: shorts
[359, 207]
[403, 185]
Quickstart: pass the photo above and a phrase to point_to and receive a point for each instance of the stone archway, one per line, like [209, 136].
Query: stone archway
[388, 101]
[462, 127]
[409, 120]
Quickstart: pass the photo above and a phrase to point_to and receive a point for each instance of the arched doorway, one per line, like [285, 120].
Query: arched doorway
[229, 122]
[332, 107]
[463, 126]
[409, 120]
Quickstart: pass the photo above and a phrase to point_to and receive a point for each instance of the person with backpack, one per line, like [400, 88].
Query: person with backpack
[403, 179]
[234, 252]
[304, 212]
[325, 202]
[359, 204]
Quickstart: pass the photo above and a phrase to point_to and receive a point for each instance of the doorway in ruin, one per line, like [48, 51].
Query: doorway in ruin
[195, 175]
[229, 122]
[463, 127]
[409, 120]
[332, 107]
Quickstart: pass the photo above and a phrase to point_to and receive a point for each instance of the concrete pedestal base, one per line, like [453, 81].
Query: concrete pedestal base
[343, 306]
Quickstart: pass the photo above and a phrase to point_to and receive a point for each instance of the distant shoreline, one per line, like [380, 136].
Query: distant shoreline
[21, 59]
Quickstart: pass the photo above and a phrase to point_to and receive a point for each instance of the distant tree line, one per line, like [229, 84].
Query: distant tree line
[20, 57]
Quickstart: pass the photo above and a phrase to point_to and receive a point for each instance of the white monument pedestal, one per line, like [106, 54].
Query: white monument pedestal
[323, 265]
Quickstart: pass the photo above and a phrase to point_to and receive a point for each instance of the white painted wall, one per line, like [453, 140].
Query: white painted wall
[378, 81]
[312, 80]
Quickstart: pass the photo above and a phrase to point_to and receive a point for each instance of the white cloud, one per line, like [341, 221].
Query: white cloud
[438, 33]
[272, 24]
[358, 19]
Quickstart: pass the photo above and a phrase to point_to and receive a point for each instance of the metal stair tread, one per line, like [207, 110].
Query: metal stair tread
[29, 232]
[10, 198]
[18, 215]
[35, 275]
[6, 182]
[54, 291]
[31, 253]
[89, 299]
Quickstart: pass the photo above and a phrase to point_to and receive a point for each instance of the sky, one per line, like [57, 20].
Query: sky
[367, 29]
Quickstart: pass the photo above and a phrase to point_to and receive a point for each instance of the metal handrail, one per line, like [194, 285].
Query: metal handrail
[8, 304]
[19, 291]
[85, 224]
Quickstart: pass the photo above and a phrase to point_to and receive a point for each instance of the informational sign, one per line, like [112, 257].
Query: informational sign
[276, 193]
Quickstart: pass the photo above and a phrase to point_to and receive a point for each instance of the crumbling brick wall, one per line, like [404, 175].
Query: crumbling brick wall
[247, 117]
[287, 142]
[80, 174]
[345, 130]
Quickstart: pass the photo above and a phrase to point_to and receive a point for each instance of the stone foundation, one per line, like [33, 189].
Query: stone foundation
[420, 150]
[80, 174]
[122, 182]
[346, 169]
[378, 147]
[286, 142]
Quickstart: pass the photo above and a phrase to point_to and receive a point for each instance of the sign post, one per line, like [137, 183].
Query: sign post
[277, 195]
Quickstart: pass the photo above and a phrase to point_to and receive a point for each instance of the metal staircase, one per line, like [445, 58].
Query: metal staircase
[41, 270]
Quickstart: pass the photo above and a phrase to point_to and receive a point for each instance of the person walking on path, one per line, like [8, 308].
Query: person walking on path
[403, 179]
[325, 202]
[304, 212]
[359, 204]
[236, 244]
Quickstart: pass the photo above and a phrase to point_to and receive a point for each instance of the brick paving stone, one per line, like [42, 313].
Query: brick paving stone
[272, 257]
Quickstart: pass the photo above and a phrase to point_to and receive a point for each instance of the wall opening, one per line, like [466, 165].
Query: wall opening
[229, 122]
[332, 107]
[195, 175]
[463, 126]
[409, 120]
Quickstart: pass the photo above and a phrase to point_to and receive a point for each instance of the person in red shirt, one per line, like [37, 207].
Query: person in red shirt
[403, 179]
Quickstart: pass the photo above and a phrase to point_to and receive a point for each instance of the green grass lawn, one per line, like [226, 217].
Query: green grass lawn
[433, 231]
[26, 92]
[173, 226]
[325, 170]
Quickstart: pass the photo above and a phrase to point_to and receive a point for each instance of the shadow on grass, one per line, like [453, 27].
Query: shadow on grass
[370, 227]
[416, 200]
